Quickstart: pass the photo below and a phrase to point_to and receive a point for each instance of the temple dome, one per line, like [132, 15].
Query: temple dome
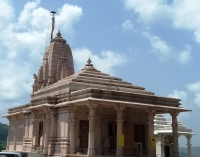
[57, 63]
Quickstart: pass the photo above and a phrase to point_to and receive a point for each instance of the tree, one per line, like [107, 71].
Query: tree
[3, 136]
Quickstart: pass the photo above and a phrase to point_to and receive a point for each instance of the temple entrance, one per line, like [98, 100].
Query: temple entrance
[128, 140]
[112, 132]
[167, 151]
[139, 136]
[40, 133]
[83, 133]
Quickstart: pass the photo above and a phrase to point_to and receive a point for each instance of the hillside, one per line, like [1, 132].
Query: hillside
[3, 135]
[195, 151]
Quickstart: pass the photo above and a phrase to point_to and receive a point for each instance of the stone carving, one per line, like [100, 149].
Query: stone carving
[57, 53]
[35, 78]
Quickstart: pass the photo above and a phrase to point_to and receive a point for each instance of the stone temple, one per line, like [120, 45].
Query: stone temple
[88, 113]
[163, 135]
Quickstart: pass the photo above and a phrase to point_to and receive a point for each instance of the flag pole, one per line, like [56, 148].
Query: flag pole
[53, 23]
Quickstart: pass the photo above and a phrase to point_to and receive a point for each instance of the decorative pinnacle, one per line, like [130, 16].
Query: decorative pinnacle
[89, 65]
[58, 34]
[89, 61]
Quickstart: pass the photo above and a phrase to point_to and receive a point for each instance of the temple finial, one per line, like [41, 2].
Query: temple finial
[89, 61]
[59, 34]
[89, 65]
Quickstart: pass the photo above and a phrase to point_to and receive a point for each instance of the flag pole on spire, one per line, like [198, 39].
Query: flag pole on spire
[53, 23]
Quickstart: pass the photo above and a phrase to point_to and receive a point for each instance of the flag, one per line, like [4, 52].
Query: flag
[53, 26]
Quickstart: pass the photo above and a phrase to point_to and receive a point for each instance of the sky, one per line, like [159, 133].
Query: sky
[154, 44]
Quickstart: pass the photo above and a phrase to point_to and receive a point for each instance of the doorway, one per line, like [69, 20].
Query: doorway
[128, 140]
[139, 135]
[112, 132]
[83, 133]
[40, 134]
[167, 151]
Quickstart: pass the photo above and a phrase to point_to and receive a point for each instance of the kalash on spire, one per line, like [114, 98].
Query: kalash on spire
[57, 61]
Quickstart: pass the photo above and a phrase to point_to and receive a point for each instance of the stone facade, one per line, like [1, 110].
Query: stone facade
[85, 113]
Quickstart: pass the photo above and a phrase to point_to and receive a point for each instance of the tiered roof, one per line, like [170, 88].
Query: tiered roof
[162, 126]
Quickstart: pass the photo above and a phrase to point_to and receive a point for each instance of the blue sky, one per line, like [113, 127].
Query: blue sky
[154, 44]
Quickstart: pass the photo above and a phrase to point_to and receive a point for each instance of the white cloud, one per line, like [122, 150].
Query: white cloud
[166, 52]
[195, 89]
[183, 96]
[179, 95]
[6, 13]
[23, 42]
[14, 83]
[127, 25]
[183, 14]
[185, 55]
[27, 14]
[106, 62]
[159, 46]
[68, 15]
[148, 11]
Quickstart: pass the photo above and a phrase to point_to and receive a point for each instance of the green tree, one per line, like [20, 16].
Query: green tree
[3, 135]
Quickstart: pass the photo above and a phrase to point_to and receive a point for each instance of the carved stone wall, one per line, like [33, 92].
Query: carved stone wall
[57, 63]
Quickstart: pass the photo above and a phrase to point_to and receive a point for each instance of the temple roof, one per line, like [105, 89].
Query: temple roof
[90, 84]
[162, 126]
[90, 77]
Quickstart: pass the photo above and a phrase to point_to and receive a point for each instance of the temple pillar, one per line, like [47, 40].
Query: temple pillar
[34, 134]
[119, 109]
[151, 114]
[26, 126]
[66, 145]
[8, 137]
[189, 144]
[162, 145]
[73, 129]
[25, 131]
[35, 131]
[53, 132]
[175, 134]
[46, 133]
[98, 135]
[91, 142]
[15, 134]
[158, 145]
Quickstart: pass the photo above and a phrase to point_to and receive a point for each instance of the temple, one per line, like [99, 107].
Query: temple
[87, 113]
[164, 140]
